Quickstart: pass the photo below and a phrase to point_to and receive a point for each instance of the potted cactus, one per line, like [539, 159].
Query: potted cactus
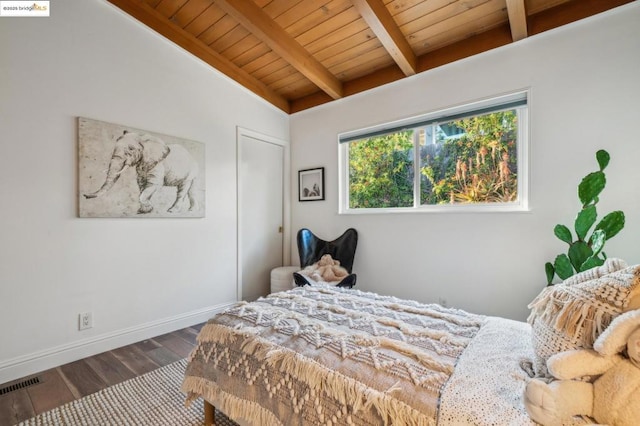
[586, 251]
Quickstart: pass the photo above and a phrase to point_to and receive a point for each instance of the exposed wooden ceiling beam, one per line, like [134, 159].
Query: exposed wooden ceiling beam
[377, 16]
[479, 43]
[566, 13]
[254, 19]
[517, 19]
[156, 21]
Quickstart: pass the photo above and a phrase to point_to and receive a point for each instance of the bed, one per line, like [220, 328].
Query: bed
[337, 356]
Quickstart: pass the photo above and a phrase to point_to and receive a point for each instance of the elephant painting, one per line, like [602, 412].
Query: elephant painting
[158, 167]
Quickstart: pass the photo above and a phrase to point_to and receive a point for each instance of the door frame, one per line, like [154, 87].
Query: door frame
[286, 199]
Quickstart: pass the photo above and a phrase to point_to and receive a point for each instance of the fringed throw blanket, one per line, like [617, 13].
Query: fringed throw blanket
[325, 355]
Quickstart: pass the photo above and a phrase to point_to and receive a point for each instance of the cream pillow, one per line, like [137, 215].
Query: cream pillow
[572, 316]
[609, 266]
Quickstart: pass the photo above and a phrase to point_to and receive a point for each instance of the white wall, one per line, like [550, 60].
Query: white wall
[139, 277]
[584, 96]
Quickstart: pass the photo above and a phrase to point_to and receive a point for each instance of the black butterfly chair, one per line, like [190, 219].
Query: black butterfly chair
[311, 249]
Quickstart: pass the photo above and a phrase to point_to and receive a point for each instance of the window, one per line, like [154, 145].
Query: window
[466, 158]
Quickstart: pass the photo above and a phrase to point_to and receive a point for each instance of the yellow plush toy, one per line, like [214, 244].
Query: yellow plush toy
[611, 397]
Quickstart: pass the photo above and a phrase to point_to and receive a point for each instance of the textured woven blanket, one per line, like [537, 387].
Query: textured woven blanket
[326, 355]
[488, 384]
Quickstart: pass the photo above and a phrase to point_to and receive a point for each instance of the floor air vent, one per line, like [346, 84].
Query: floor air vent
[20, 385]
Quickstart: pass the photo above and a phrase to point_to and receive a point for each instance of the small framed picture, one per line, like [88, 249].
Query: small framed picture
[311, 184]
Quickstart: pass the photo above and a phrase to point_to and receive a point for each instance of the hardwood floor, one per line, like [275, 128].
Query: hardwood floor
[80, 378]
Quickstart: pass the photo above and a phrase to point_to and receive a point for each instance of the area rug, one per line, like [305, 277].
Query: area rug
[151, 399]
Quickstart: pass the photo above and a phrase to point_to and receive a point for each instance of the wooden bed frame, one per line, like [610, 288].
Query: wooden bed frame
[209, 414]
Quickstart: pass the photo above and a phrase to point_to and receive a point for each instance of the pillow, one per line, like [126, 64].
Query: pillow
[565, 317]
[610, 265]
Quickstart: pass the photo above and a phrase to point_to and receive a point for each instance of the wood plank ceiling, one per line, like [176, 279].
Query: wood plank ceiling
[298, 54]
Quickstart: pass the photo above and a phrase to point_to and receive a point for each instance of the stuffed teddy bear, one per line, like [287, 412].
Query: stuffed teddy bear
[325, 270]
[600, 383]
[330, 269]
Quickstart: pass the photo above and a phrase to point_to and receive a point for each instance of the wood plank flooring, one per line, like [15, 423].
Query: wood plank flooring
[83, 377]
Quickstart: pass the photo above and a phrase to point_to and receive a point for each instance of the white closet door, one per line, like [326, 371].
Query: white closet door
[260, 213]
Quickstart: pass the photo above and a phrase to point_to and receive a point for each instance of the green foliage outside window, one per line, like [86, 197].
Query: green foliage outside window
[381, 171]
[477, 165]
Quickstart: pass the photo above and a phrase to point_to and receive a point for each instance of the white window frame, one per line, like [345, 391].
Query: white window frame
[522, 204]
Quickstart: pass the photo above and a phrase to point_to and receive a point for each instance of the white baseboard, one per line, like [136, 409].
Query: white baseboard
[36, 362]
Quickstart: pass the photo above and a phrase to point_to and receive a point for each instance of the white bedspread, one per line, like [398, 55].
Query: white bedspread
[490, 367]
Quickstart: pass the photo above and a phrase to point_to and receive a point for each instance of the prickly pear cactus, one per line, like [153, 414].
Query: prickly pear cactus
[586, 251]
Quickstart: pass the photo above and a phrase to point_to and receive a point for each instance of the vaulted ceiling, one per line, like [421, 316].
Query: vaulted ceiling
[297, 54]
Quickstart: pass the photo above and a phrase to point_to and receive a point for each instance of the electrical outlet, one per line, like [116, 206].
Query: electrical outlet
[85, 320]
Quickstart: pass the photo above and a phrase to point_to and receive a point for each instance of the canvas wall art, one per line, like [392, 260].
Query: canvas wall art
[127, 172]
